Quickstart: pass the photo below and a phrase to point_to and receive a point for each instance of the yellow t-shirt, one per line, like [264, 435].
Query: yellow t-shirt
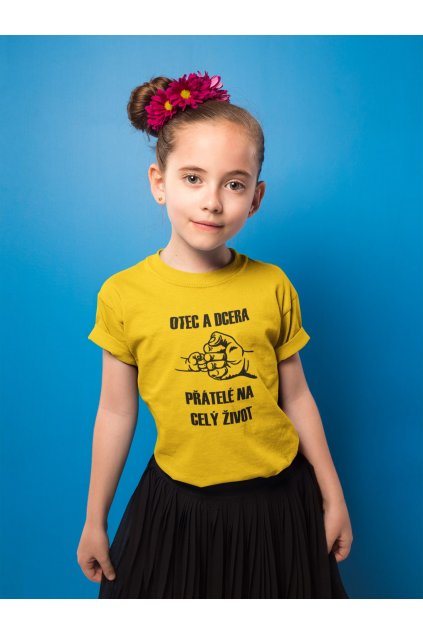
[207, 347]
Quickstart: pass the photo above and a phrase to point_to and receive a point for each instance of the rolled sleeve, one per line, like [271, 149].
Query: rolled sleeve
[293, 336]
[109, 329]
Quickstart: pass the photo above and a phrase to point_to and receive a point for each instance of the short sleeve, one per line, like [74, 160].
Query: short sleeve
[108, 331]
[292, 335]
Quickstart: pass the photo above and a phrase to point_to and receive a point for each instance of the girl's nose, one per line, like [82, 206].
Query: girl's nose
[212, 201]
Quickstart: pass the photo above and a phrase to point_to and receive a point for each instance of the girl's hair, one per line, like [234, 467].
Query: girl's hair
[208, 110]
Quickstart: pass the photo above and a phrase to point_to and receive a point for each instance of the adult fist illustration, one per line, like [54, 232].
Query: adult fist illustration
[223, 357]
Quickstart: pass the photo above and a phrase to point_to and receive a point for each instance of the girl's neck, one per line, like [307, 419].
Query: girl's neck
[185, 258]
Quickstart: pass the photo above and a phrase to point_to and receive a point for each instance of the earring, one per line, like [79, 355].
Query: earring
[160, 198]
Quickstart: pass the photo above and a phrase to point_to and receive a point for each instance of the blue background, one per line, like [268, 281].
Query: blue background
[342, 215]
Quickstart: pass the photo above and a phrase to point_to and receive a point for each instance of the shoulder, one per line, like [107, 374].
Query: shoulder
[116, 285]
[272, 273]
[277, 282]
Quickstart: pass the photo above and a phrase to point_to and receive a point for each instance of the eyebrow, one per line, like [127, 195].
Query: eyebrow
[231, 173]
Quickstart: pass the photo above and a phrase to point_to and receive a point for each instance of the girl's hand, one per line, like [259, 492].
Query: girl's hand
[338, 529]
[93, 553]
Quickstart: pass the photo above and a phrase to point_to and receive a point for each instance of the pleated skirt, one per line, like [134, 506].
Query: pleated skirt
[261, 538]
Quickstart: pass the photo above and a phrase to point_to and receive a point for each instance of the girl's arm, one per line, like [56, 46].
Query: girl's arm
[113, 432]
[299, 405]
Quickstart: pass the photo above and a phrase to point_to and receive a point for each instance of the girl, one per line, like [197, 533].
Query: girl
[240, 498]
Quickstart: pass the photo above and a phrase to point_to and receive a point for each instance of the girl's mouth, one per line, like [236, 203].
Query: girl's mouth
[206, 227]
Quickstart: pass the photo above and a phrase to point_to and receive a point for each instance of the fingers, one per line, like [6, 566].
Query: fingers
[107, 568]
[342, 554]
[94, 573]
[94, 569]
[341, 551]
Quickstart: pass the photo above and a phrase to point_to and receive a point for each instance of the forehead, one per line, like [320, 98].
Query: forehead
[206, 143]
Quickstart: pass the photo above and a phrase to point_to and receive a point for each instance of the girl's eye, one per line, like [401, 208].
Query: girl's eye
[190, 176]
[240, 185]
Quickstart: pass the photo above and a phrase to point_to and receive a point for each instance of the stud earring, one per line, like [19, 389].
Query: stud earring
[160, 198]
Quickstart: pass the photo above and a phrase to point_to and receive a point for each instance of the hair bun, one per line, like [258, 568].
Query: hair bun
[139, 98]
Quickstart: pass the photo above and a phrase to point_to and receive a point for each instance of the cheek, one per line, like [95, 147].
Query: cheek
[177, 212]
[243, 218]
[240, 210]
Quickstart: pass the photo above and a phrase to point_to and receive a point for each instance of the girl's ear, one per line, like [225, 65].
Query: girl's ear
[258, 196]
[156, 183]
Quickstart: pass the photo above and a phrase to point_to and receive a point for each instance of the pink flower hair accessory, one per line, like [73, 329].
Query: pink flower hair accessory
[180, 93]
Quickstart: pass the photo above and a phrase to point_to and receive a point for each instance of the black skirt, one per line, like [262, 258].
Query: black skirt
[262, 538]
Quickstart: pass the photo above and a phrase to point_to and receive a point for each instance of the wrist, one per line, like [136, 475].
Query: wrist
[333, 500]
[96, 522]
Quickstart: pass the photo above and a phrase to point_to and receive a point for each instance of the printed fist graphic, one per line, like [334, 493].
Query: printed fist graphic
[195, 362]
[223, 357]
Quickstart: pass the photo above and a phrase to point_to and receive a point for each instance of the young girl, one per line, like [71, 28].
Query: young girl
[240, 498]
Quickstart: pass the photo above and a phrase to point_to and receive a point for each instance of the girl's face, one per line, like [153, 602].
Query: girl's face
[210, 178]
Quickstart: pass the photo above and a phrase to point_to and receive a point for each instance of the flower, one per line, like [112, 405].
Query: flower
[212, 87]
[180, 93]
[185, 91]
[160, 109]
